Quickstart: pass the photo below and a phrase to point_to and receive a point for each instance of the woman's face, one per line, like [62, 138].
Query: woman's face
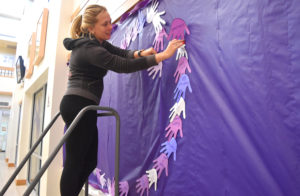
[102, 29]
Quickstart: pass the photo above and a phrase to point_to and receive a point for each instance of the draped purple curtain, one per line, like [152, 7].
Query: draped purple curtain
[241, 135]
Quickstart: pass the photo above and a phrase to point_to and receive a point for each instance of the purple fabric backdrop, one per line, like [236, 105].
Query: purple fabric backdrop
[242, 126]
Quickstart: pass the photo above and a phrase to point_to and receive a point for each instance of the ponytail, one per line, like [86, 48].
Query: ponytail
[76, 31]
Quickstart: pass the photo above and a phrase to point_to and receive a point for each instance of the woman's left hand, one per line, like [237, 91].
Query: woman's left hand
[148, 52]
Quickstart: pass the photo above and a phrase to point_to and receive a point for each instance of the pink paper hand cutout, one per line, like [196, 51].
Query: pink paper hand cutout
[178, 27]
[123, 188]
[159, 40]
[155, 69]
[183, 64]
[173, 128]
[161, 163]
[142, 185]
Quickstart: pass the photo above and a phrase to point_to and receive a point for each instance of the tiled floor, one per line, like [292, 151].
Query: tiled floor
[5, 173]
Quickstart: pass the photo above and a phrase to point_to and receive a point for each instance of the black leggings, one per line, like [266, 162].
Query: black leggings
[81, 146]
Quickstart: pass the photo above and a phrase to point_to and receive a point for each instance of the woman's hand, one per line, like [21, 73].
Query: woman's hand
[170, 50]
[172, 47]
[148, 52]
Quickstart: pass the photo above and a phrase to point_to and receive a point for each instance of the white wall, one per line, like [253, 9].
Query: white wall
[53, 71]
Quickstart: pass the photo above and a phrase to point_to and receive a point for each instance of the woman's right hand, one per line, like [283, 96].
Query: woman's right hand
[170, 50]
[172, 47]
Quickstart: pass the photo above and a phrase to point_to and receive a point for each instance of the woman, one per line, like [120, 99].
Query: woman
[92, 56]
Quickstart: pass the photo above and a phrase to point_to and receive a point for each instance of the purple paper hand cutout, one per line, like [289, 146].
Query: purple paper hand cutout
[142, 185]
[173, 128]
[169, 148]
[141, 21]
[159, 40]
[183, 64]
[124, 188]
[178, 27]
[183, 83]
[161, 163]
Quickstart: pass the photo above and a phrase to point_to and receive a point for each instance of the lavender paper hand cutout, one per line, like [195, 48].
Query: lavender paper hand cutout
[161, 163]
[100, 177]
[141, 21]
[159, 40]
[158, 21]
[181, 52]
[178, 27]
[142, 185]
[177, 108]
[169, 148]
[155, 70]
[134, 31]
[111, 187]
[123, 43]
[128, 37]
[152, 11]
[184, 82]
[183, 64]
[124, 188]
[173, 128]
[152, 177]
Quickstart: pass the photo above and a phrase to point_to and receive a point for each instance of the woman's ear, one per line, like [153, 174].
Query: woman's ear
[91, 30]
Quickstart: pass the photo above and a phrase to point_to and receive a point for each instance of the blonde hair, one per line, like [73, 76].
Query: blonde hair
[81, 23]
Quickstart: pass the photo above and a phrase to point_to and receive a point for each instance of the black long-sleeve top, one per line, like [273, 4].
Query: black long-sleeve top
[90, 60]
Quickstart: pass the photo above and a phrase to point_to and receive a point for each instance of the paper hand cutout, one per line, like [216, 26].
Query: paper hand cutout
[169, 148]
[142, 185]
[100, 177]
[178, 27]
[161, 163]
[152, 177]
[123, 43]
[102, 180]
[159, 40]
[180, 89]
[183, 64]
[177, 108]
[158, 21]
[141, 21]
[111, 187]
[134, 31]
[155, 70]
[128, 35]
[181, 52]
[152, 11]
[123, 188]
[173, 128]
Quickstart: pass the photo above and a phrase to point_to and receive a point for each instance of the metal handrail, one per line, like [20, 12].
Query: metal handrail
[27, 156]
[62, 141]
